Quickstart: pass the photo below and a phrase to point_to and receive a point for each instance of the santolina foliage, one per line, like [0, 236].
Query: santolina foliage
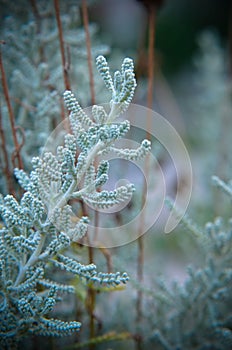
[197, 314]
[37, 230]
[32, 62]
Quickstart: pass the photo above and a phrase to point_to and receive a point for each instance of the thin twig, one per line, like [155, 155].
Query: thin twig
[36, 12]
[21, 144]
[62, 50]
[151, 59]
[108, 258]
[11, 115]
[6, 168]
[38, 27]
[140, 262]
[26, 106]
[88, 47]
[91, 301]
[91, 293]
[91, 79]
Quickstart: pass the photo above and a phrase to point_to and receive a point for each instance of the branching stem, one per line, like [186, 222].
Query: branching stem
[32, 260]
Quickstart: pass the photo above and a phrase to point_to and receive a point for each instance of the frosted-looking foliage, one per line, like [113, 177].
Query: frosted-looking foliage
[37, 230]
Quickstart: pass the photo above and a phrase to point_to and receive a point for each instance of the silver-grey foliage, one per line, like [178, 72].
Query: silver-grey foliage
[38, 229]
[32, 61]
[197, 314]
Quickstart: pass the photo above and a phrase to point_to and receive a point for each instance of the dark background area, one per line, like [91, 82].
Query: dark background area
[178, 23]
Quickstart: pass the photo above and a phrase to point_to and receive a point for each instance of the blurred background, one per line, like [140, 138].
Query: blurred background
[191, 89]
[192, 83]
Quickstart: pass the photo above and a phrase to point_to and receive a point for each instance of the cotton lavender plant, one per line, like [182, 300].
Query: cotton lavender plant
[32, 63]
[197, 313]
[37, 231]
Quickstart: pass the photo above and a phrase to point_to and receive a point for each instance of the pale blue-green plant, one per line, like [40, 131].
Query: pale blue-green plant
[32, 60]
[37, 230]
[197, 313]
[209, 116]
